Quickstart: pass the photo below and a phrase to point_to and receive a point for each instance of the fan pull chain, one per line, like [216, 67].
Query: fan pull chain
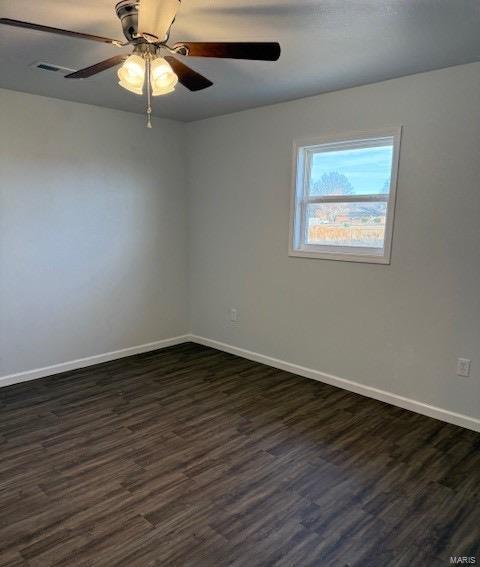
[149, 92]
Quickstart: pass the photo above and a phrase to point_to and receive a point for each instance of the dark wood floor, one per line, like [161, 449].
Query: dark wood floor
[193, 457]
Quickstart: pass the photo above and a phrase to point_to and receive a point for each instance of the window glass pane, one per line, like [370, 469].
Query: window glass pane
[346, 224]
[359, 171]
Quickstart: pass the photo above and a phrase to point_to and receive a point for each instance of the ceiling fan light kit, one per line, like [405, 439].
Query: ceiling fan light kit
[132, 73]
[146, 26]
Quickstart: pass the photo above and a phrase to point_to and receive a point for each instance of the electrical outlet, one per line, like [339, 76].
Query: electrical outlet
[463, 367]
[234, 315]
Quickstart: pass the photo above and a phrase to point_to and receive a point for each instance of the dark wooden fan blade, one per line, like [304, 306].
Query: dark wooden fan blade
[97, 68]
[260, 51]
[58, 31]
[188, 77]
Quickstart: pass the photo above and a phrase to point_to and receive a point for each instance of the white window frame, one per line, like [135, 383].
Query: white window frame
[303, 150]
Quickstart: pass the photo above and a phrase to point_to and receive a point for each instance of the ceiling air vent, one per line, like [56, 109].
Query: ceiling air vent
[52, 68]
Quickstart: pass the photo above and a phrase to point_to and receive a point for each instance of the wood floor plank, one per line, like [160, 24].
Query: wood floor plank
[193, 457]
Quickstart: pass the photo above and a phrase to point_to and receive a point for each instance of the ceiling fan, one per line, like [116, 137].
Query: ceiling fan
[146, 25]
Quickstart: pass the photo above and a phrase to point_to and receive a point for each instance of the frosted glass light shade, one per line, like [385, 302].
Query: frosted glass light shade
[163, 78]
[132, 74]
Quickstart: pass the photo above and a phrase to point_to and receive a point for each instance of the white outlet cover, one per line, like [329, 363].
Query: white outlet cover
[463, 367]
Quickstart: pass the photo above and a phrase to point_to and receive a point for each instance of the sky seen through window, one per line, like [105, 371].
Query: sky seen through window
[368, 170]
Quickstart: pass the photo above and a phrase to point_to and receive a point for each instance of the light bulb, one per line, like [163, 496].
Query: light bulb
[163, 78]
[132, 74]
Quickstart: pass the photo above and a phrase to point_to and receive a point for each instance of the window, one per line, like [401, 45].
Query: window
[344, 196]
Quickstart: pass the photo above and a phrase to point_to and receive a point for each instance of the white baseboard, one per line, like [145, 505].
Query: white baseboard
[88, 361]
[388, 397]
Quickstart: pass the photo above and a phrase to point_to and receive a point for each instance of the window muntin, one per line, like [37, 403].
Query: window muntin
[344, 197]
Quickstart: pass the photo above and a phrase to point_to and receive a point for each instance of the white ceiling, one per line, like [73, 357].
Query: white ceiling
[326, 45]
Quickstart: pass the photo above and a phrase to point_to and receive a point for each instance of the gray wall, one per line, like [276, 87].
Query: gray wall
[399, 328]
[94, 255]
[92, 231]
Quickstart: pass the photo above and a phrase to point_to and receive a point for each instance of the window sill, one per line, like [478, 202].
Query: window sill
[342, 256]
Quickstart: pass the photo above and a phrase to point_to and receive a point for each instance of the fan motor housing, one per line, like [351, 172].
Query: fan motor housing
[127, 12]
